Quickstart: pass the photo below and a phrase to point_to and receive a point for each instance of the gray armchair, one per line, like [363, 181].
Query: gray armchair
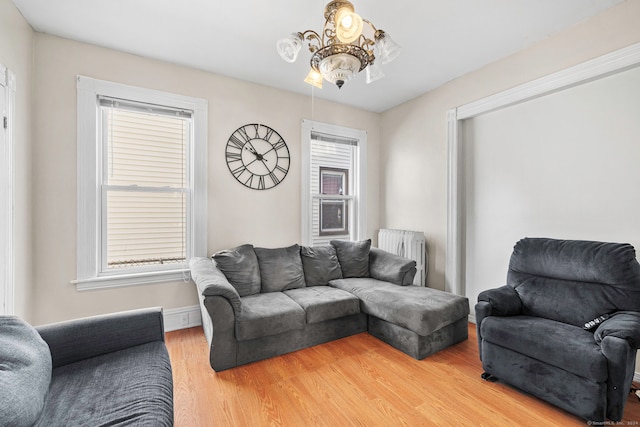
[533, 332]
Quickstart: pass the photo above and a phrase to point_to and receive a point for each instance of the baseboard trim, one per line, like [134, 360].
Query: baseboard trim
[182, 318]
[636, 377]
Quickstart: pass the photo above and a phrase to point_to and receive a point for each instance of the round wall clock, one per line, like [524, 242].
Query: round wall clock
[257, 156]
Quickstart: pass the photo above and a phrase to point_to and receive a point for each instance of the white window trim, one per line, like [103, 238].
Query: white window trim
[7, 194]
[89, 195]
[360, 171]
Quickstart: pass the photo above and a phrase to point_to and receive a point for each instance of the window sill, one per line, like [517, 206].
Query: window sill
[132, 279]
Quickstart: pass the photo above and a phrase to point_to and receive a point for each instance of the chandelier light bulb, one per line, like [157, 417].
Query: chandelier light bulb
[289, 47]
[373, 72]
[314, 78]
[388, 48]
[348, 25]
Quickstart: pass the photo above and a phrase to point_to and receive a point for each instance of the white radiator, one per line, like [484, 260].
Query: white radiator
[409, 244]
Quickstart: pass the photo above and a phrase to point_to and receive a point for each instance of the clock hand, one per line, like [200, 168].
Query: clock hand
[253, 151]
[269, 150]
[252, 161]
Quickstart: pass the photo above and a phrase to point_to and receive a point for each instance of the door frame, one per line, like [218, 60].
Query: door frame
[7, 192]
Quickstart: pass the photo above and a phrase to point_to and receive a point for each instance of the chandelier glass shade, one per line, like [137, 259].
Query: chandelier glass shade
[342, 49]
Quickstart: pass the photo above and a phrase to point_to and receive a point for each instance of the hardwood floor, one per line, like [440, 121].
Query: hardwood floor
[357, 381]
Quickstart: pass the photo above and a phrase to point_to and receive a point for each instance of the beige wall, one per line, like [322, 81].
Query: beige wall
[16, 51]
[414, 153]
[236, 214]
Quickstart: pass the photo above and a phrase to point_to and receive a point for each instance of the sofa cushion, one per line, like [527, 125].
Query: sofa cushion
[320, 264]
[280, 268]
[127, 387]
[392, 268]
[322, 303]
[25, 372]
[240, 266]
[353, 257]
[421, 310]
[268, 314]
[541, 338]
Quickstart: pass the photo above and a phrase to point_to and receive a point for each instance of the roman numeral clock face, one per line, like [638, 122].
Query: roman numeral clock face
[257, 156]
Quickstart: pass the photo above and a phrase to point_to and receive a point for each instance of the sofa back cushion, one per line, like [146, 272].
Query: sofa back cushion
[280, 268]
[574, 281]
[353, 257]
[320, 264]
[240, 266]
[25, 372]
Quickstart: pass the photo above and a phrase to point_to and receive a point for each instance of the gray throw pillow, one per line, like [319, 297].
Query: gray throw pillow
[353, 257]
[25, 372]
[240, 266]
[280, 269]
[320, 264]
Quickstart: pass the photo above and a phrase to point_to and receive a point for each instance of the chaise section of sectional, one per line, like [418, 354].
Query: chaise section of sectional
[416, 320]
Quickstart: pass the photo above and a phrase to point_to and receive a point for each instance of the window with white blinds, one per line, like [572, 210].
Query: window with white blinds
[142, 174]
[144, 187]
[334, 187]
[332, 164]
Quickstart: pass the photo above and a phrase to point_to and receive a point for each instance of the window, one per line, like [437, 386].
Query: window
[334, 211]
[334, 184]
[141, 184]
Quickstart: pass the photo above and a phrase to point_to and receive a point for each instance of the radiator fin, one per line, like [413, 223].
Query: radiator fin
[409, 244]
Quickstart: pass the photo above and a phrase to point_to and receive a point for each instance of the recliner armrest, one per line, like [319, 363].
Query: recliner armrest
[390, 267]
[622, 324]
[212, 282]
[504, 301]
[79, 339]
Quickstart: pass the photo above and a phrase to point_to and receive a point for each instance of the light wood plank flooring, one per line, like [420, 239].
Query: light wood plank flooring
[355, 381]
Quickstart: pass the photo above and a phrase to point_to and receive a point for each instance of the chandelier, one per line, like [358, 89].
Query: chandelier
[343, 50]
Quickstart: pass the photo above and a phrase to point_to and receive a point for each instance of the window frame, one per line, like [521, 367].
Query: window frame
[358, 213]
[344, 199]
[89, 173]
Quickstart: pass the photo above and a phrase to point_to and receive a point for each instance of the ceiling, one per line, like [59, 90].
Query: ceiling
[441, 39]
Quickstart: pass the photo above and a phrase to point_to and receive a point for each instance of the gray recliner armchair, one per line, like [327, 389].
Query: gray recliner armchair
[566, 326]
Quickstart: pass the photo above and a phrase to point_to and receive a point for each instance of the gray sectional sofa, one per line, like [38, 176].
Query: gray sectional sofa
[105, 370]
[258, 303]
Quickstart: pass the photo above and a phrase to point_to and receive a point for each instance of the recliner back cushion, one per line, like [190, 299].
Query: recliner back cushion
[574, 281]
[280, 268]
[25, 372]
[240, 266]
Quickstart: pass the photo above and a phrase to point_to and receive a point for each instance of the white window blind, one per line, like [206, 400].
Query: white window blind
[145, 186]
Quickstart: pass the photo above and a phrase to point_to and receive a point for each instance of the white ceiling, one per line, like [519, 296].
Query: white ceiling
[441, 39]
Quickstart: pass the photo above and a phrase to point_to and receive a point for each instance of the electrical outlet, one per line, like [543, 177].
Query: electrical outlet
[184, 319]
